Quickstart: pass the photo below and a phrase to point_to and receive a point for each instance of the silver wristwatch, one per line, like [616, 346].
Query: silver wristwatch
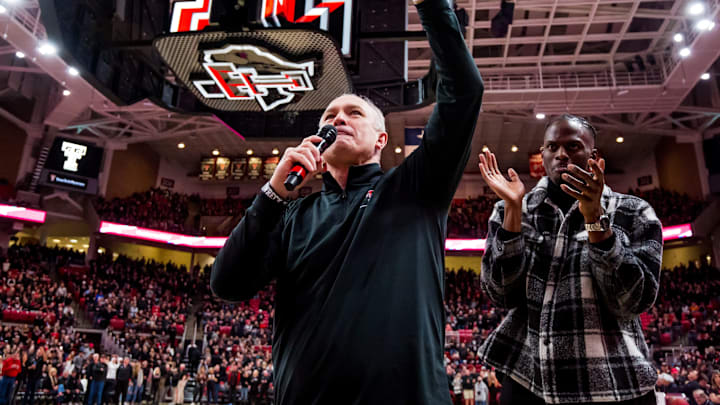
[601, 225]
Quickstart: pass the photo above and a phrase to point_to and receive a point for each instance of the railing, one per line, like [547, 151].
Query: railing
[28, 14]
[573, 80]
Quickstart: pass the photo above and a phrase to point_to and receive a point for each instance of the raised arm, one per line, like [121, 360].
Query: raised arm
[627, 271]
[438, 164]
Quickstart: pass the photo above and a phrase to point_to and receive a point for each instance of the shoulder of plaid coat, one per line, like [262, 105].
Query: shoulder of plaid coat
[573, 332]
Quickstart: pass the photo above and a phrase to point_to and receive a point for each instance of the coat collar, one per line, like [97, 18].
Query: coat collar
[539, 194]
[357, 176]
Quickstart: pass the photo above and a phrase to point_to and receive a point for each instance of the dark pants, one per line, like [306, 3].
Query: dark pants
[121, 392]
[110, 393]
[514, 393]
[96, 392]
[7, 384]
[30, 388]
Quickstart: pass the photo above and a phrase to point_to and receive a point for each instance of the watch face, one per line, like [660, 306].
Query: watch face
[605, 222]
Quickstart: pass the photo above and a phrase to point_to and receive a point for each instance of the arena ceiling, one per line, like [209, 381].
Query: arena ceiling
[615, 62]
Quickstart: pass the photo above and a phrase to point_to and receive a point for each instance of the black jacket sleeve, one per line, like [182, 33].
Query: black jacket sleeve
[252, 255]
[438, 164]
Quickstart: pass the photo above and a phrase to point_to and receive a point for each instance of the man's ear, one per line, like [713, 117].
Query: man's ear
[381, 141]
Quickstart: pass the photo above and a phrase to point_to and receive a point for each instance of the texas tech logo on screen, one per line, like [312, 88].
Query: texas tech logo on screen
[73, 152]
[246, 72]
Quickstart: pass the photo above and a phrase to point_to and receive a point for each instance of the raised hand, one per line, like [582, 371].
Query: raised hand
[511, 191]
[590, 186]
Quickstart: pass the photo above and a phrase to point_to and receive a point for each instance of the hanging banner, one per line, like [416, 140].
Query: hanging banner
[536, 166]
[222, 166]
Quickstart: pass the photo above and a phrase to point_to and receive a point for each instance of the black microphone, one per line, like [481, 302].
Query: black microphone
[297, 174]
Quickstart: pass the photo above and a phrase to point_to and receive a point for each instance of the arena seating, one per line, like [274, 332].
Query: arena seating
[240, 334]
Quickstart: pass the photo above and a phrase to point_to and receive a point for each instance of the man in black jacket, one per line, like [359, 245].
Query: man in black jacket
[360, 266]
[98, 375]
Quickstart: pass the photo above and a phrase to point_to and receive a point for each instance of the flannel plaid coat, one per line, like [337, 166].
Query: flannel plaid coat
[573, 332]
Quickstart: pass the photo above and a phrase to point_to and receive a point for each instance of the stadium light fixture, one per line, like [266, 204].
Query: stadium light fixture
[398, 150]
[540, 116]
[696, 8]
[47, 49]
[215, 152]
[19, 55]
[73, 71]
[514, 148]
[685, 52]
[678, 37]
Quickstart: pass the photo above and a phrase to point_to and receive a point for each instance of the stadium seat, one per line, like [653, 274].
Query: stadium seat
[666, 339]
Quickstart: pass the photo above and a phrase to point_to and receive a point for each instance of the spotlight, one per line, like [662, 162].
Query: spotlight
[73, 240]
[678, 37]
[485, 148]
[249, 152]
[275, 151]
[398, 150]
[704, 25]
[56, 240]
[73, 71]
[66, 92]
[47, 48]
[181, 145]
[705, 76]
[619, 139]
[540, 116]
[696, 8]
[215, 152]
[685, 52]
[514, 148]
[19, 55]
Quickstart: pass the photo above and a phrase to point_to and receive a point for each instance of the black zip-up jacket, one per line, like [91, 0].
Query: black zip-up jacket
[360, 271]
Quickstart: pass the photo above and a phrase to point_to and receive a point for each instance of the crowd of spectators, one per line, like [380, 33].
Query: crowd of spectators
[234, 360]
[228, 207]
[155, 209]
[141, 295]
[468, 218]
[671, 207]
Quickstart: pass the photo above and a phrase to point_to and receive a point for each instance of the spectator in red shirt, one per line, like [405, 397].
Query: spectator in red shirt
[10, 370]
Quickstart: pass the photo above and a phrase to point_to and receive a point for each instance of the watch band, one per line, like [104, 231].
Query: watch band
[601, 225]
[271, 194]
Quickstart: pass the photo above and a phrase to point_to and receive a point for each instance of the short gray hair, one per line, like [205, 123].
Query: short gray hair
[378, 122]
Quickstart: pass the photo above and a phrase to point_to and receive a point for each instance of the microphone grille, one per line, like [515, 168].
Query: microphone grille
[328, 133]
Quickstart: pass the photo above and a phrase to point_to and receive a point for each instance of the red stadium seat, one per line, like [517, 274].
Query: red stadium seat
[686, 326]
[179, 329]
[666, 339]
[117, 324]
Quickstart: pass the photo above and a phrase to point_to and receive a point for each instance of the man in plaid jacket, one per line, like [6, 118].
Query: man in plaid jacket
[576, 264]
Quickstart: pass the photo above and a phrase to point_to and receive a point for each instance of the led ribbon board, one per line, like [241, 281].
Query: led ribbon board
[282, 70]
[25, 214]
[134, 232]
